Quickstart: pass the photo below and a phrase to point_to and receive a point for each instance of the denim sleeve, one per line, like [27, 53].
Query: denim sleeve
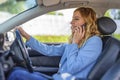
[78, 58]
[50, 50]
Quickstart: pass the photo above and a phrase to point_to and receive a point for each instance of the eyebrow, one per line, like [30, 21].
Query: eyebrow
[76, 17]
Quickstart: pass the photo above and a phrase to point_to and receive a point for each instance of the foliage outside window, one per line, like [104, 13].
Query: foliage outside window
[115, 15]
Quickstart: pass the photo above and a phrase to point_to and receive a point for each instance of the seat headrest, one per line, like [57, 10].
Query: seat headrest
[106, 25]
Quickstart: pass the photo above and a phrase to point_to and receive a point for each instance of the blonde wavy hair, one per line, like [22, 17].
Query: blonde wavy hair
[89, 15]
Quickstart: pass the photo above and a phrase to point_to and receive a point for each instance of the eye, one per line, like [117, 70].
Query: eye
[75, 19]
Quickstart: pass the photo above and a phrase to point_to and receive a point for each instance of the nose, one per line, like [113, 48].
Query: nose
[71, 22]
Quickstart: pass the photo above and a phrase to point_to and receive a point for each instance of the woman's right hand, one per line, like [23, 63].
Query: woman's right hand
[23, 33]
[79, 33]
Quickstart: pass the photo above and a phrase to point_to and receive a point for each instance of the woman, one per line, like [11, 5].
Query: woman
[78, 57]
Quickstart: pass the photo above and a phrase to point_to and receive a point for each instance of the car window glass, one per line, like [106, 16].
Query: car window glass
[115, 15]
[10, 8]
[53, 27]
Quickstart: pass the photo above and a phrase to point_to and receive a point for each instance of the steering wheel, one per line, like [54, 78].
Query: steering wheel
[24, 51]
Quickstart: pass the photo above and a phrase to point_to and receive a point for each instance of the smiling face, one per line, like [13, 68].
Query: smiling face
[84, 16]
[77, 20]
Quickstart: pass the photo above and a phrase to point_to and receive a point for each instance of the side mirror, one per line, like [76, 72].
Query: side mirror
[10, 36]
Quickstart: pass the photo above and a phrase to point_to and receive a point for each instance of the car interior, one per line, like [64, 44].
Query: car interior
[107, 66]
[106, 60]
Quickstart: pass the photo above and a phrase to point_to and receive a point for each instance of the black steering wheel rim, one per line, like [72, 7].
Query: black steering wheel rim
[24, 51]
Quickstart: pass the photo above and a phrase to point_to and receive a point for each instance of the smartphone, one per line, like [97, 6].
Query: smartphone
[83, 25]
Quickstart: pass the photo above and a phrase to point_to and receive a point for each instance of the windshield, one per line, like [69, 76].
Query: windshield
[52, 27]
[10, 8]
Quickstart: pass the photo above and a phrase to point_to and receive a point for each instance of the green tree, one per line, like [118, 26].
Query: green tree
[119, 14]
[107, 13]
[13, 6]
[55, 13]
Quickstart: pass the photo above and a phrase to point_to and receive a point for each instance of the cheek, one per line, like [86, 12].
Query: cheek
[80, 23]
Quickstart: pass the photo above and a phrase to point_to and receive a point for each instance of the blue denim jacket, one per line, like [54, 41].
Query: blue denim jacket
[75, 61]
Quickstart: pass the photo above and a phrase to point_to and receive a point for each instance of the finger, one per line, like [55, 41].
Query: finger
[83, 33]
[20, 28]
[16, 27]
[80, 29]
[76, 33]
[73, 29]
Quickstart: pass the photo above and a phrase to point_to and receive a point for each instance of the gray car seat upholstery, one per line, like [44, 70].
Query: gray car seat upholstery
[113, 73]
[111, 48]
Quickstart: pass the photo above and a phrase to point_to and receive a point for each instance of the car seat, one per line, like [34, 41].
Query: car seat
[113, 73]
[111, 48]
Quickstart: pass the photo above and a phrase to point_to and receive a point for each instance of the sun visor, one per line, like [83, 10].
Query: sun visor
[50, 2]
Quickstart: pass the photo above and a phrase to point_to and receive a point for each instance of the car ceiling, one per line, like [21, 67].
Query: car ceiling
[91, 3]
[44, 6]
[95, 4]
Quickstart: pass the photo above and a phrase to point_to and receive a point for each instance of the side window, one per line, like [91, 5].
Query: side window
[53, 27]
[115, 15]
[10, 8]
